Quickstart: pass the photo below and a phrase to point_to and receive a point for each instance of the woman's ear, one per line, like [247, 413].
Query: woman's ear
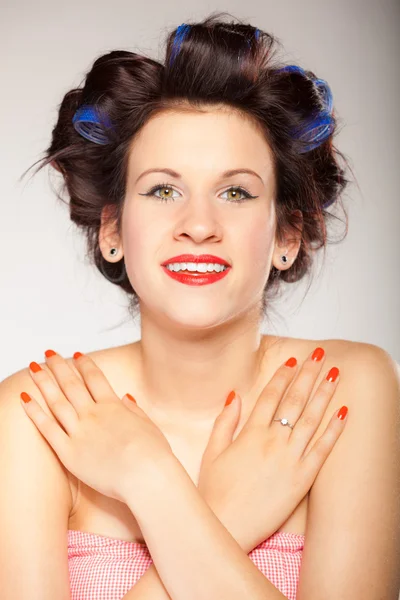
[290, 244]
[108, 235]
[55, 166]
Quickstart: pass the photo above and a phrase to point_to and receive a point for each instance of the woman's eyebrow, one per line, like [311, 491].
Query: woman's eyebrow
[173, 173]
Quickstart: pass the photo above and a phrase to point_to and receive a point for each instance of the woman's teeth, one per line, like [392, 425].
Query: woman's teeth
[197, 267]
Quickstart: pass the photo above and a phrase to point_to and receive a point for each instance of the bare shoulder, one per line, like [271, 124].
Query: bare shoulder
[356, 357]
[30, 440]
[369, 376]
[346, 352]
[359, 362]
[112, 361]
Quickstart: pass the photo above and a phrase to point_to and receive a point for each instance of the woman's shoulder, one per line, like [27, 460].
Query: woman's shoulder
[362, 367]
[31, 444]
[342, 349]
[112, 361]
[353, 359]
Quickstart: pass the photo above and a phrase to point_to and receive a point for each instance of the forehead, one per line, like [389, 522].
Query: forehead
[210, 141]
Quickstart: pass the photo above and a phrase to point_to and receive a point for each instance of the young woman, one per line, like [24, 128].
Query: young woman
[201, 184]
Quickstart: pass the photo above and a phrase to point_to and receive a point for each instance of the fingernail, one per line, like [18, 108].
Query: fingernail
[131, 398]
[230, 398]
[77, 355]
[332, 375]
[25, 397]
[49, 353]
[342, 413]
[291, 362]
[35, 367]
[318, 354]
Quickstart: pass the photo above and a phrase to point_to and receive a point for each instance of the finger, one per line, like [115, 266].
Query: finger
[74, 390]
[313, 461]
[312, 415]
[224, 428]
[272, 394]
[293, 404]
[129, 401]
[54, 398]
[48, 427]
[94, 378]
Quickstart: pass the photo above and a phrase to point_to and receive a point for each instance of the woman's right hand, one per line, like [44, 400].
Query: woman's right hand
[255, 482]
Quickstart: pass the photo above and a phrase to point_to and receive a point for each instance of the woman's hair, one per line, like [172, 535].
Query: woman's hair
[218, 64]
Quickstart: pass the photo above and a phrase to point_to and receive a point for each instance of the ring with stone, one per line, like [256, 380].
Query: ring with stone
[284, 422]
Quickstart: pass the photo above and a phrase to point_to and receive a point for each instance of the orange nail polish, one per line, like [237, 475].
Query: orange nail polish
[77, 355]
[35, 367]
[131, 398]
[342, 413]
[50, 353]
[291, 362]
[332, 375]
[25, 397]
[318, 354]
[230, 398]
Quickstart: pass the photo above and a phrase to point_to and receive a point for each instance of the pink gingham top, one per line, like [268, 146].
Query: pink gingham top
[104, 568]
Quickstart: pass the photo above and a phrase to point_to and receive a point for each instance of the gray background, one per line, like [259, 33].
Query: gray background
[51, 298]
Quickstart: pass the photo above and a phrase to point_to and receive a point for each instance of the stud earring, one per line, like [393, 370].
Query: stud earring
[284, 259]
[114, 251]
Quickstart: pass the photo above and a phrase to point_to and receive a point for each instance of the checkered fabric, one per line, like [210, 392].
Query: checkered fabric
[104, 568]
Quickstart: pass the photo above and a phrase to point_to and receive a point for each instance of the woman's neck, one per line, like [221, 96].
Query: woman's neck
[187, 380]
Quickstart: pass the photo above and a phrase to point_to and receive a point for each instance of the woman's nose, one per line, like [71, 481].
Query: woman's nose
[200, 221]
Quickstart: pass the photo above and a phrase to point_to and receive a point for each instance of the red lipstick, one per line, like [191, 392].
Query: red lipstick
[196, 279]
[201, 258]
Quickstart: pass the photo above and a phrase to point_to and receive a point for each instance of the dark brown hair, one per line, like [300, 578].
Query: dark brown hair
[219, 63]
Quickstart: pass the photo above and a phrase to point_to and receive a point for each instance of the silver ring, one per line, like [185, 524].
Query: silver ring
[285, 422]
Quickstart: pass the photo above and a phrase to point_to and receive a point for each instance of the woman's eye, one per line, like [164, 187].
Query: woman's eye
[163, 188]
[236, 192]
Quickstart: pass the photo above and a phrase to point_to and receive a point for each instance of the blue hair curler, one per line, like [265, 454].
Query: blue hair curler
[291, 69]
[256, 35]
[90, 125]
[320, 127]
[180, 34]
[326, 94]
[315, 132]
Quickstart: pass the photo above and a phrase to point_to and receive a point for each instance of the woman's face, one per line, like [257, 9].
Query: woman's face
[196, 212]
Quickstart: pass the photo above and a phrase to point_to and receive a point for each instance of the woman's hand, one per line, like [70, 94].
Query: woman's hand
[255, 482]
[105, 442]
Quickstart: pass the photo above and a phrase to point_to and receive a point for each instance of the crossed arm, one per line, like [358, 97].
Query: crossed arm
[195, 555]
[352, 547]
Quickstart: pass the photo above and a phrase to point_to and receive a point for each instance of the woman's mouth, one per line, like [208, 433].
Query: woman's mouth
[196, 277]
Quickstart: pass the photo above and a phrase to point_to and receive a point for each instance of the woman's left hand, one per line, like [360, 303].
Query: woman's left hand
[105, 442]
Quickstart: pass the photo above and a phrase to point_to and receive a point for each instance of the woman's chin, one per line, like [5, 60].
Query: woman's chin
[198, 320]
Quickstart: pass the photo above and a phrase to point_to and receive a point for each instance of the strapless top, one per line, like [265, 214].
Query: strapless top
[104, 568]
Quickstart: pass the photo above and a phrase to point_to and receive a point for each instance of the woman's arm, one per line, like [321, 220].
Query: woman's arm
[35, 501]
[195, 555]
[352, 547]
[150, 585]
